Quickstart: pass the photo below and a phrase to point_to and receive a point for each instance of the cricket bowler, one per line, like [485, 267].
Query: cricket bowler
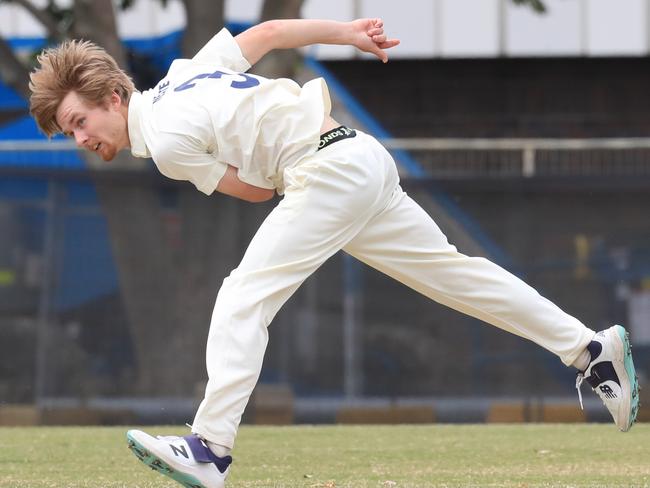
[210, 122]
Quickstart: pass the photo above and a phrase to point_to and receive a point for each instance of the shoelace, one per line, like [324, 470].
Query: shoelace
[579, 379]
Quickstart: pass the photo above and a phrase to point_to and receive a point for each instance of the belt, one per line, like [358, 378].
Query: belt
[334, 135]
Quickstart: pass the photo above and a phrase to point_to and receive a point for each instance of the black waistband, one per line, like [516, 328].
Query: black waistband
[338, 134]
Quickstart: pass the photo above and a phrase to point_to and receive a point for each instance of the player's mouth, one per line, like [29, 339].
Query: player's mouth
[97, 146]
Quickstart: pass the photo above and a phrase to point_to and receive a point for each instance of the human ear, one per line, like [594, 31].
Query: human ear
[116, 100]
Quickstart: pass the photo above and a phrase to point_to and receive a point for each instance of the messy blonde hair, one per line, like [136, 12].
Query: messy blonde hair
[79, 66]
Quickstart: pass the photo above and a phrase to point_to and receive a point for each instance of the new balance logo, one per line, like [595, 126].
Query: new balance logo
[607, 391]
[179, 450]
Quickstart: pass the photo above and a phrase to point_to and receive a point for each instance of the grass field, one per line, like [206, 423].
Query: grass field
[531, 455]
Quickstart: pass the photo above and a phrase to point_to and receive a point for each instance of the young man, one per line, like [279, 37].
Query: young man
[211, 123]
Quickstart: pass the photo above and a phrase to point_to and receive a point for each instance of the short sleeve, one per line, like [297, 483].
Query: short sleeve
[182, 157]
[223, 50]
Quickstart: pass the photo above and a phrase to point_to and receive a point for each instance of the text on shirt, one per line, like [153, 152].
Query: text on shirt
[247, 82]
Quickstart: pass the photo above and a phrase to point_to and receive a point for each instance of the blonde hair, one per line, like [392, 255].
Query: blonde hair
[79, 66]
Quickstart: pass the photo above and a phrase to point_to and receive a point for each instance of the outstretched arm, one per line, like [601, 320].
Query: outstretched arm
[365, 34]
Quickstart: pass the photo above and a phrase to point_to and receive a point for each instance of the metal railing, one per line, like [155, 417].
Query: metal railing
[469, 156]
[37, 145]
[528, 151]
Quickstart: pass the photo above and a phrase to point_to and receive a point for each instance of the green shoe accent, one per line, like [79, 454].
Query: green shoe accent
[159, 465]
[631, 373]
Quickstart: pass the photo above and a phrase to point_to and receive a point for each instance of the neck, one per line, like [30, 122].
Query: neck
[124, 112]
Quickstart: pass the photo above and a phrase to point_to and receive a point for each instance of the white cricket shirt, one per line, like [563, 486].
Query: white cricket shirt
[208, 113]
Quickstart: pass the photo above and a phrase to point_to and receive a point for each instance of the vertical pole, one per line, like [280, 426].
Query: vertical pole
[352, 328]
[438, 26]
[45, 301]
[528, 163]
[356, 9]
[356, 14]
[584, 27]
[502, 20]
[647, 25]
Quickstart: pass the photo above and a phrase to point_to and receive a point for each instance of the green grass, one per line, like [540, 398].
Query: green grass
[522, 456]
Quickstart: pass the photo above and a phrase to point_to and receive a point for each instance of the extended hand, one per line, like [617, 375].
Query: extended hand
[369, 37]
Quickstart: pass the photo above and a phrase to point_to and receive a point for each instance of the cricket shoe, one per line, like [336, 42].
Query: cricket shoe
[187, 460]
[611, 375]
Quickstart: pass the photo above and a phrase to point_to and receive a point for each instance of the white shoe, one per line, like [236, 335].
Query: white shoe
[611, 375]
[184, 459]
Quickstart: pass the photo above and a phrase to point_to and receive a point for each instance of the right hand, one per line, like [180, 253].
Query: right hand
[369, 37]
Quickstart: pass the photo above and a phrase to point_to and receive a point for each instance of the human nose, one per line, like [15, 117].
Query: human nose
[80, 138]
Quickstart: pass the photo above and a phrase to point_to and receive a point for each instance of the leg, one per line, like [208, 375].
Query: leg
[327, 201]
[405, 243]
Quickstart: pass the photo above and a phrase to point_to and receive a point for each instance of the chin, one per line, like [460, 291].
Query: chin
[108, 155]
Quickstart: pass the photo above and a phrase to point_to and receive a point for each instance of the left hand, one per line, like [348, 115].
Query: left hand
[369, 37]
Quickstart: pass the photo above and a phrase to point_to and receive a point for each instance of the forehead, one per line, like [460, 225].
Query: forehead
[71, 105]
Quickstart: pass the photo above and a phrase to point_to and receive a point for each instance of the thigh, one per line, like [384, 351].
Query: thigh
[328, 199]
[406, 244]
[401, 238]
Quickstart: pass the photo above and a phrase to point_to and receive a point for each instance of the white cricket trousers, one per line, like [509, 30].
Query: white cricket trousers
[347, 196]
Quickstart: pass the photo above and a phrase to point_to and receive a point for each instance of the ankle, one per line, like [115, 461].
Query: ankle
[581, 363]
[218, 449]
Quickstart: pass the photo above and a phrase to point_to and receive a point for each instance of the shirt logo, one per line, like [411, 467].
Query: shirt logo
[162, 89]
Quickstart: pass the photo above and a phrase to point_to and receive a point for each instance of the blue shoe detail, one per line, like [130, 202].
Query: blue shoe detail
[161, 466]
[631, 373]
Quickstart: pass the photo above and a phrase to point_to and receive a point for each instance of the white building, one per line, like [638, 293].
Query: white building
[427, 28]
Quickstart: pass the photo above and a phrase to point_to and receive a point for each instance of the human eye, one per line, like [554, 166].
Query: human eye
[81, 122]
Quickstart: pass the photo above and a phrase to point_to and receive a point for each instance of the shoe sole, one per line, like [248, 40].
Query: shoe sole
[154, 462]
[631, 375]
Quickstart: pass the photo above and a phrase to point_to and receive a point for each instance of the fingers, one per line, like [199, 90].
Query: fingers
[375, 31]
[377, 35]
[381, 55]
[376, 27]
[379, 51]
[389, 43]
